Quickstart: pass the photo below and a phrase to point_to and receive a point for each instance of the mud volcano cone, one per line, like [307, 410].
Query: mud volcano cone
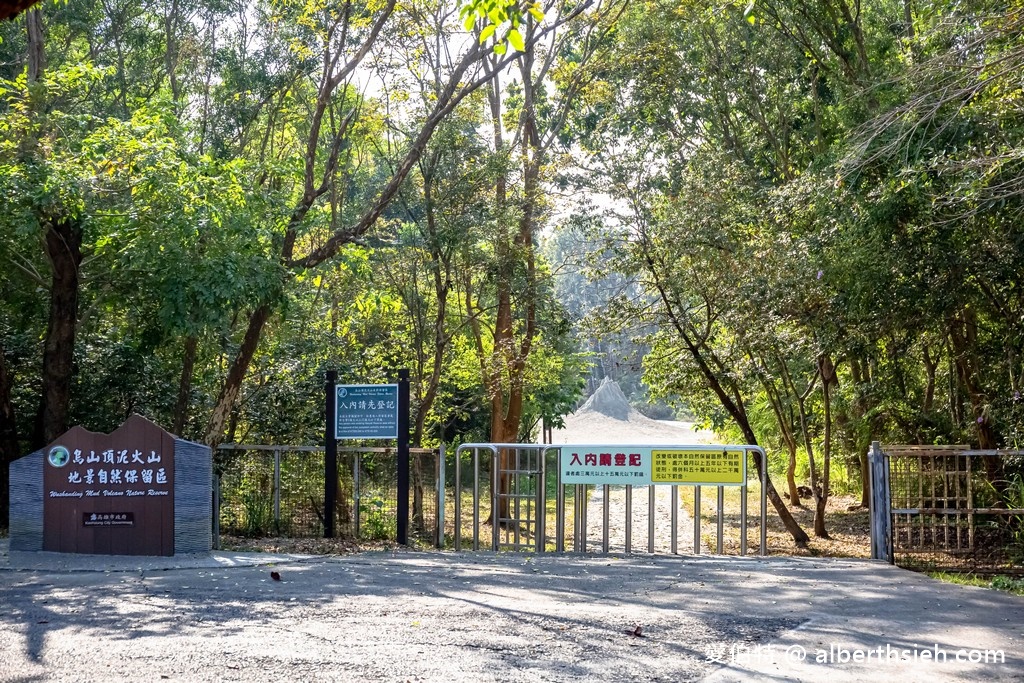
[608, 400]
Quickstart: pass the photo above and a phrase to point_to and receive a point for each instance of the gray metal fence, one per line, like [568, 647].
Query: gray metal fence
[508, 482]
[279, 491]
[499, 496]
[505, 497]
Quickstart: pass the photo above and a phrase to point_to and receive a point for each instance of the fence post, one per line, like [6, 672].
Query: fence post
[277, 490]
[881, 504]
[495, 499]
[440, 497]
[216, 512]
[403, 457]
[542, 499]
[330, 453]
[357, 492]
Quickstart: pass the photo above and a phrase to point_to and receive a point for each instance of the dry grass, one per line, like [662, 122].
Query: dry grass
[303, 546]
[485, 531]
[849, 530]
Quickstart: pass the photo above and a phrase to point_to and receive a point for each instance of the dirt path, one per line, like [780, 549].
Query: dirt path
[640, 530]
[596, 428]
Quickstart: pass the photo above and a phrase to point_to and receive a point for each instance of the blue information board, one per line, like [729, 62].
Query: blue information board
[366, 411]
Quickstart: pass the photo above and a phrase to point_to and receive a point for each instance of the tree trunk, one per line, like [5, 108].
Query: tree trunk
[316, 185]
[36, 53]
[791, 448]
[819, 506]
[929, 391]
[794, 495]
[172, 49]
[739, 416]
[787, 434]
[735, 407]
[440, 270]
[504, 463]
[963, 338]
[828, 376]
[233, 383]
[820, 501]
[429, 395]
[800, 537]
[858, 370]
[64, 251]
[63, 245]
[865, 479]
[505, 383]
[505, 418]
[188, 364]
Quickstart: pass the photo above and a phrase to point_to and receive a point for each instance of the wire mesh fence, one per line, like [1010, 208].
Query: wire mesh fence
[279, 491]
[957, 509]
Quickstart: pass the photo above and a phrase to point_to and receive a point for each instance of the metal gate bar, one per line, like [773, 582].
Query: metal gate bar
[581, 515]
[476, 448]
[519, 510]
[696, 519]
[525, 498]
[606, 492]
[525, 491]
[629, 519]
[651, 505]
[674, 503]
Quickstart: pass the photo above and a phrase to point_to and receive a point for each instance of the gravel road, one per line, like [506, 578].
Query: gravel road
[410, 616]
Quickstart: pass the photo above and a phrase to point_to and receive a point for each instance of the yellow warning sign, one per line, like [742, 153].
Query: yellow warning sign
[705, 466]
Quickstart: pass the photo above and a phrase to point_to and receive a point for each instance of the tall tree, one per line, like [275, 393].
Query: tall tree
[341, 51]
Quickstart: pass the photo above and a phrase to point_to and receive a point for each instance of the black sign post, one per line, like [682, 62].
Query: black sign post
[365, 413]
[403, 457]
[330, 455]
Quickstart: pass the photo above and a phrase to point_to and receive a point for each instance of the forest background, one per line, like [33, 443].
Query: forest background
[798, 221]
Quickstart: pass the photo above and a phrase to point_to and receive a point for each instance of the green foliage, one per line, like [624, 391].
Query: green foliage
[501, 21]
[258, 514]
[376, 523]
[769, 185]
[802, 204]
[178, 136]
[1008, 584]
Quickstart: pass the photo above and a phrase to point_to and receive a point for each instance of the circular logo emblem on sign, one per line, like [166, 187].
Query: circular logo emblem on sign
[342, 392]
[59, 456]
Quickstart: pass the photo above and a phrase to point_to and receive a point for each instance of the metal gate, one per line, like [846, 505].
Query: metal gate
[947, 507]
[515, 476]
[932, 499]
[504, 495]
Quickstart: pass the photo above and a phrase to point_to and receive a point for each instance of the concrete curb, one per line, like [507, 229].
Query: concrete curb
[65, 562]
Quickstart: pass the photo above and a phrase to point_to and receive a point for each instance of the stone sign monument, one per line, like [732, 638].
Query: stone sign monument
[136, 491]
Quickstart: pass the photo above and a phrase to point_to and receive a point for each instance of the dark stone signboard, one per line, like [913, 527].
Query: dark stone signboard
[136, 491]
